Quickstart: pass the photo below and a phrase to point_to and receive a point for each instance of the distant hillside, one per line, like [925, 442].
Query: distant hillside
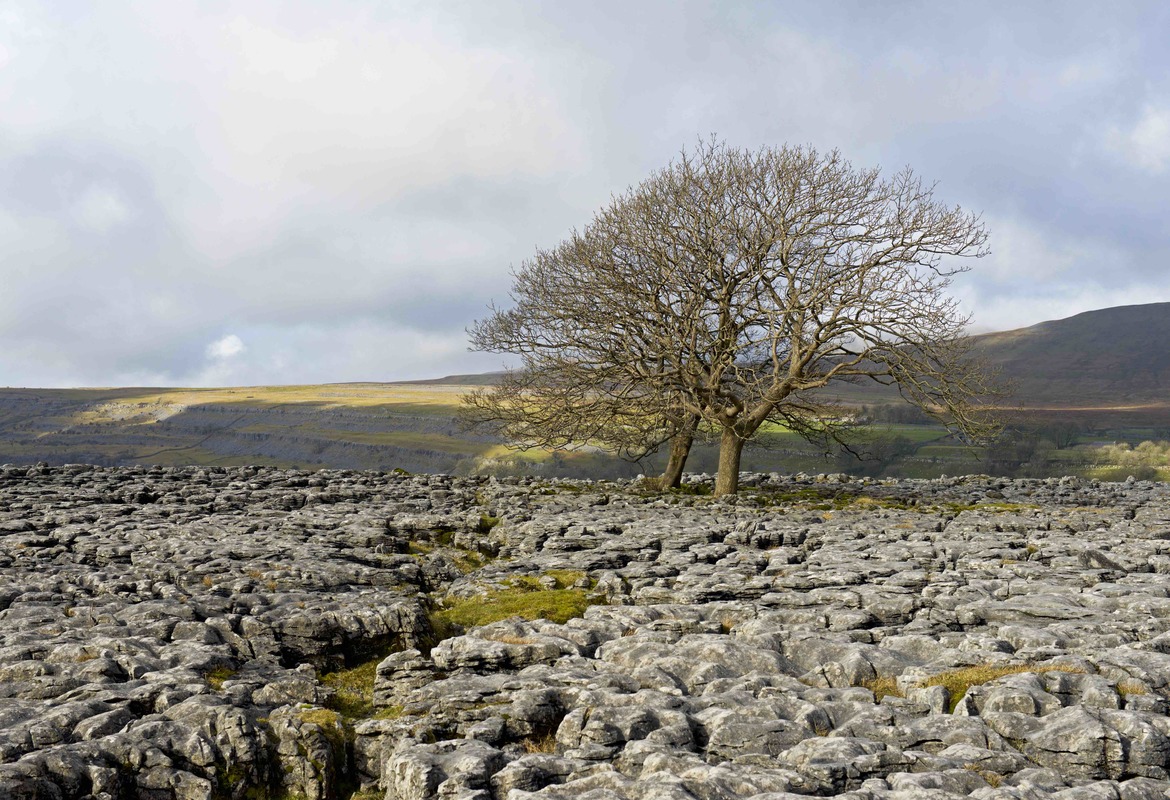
[1110, 368]
[1109, 364]
[347, 426]
[1111, 357]
[1099, 359]
[481, 379]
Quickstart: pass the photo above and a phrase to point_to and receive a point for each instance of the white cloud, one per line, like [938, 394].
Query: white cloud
[227, 347]
[1024, 251]
[1029, 305]
[1146, 143]
[267, 52]
[399, 106]
[359, 350]
[101, 209]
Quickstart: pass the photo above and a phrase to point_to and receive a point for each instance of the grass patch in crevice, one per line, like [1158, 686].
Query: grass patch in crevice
[217, 677]
[368, 794]
[467, 561]
[353, 687]
[989, 507]
[417, 548]
[993, 779]
[443, 535]
[883, 686]
[693, 489]
[1131, 688]
[524, 597]
[546, 743]
[392, 712]
[958, 681]
[325, 717]
[826, 498]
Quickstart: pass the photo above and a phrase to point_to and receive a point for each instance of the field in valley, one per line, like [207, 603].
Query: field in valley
[412, 427]
[358, 426]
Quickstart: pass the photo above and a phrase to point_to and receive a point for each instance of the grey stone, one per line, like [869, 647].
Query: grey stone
[166, 632]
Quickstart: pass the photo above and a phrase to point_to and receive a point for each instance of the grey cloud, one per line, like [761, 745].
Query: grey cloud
[345, 191]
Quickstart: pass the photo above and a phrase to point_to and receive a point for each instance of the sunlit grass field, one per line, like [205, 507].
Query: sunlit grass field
[363, 425]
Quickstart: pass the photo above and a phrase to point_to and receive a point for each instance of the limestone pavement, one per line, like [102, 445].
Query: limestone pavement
[171, 633]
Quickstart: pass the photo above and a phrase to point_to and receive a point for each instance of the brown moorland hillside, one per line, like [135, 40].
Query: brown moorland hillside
[1110, 358]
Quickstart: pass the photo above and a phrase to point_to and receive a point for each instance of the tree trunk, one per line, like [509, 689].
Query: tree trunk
[680, 448]
[730, 449]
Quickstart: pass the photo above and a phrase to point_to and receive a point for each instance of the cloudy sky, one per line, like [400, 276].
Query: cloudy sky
[222, 193]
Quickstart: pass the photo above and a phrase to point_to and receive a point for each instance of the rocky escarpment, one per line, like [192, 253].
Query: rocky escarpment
[252, 633]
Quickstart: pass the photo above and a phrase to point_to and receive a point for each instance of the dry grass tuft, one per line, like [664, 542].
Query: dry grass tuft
[321, 716]
[541, 744]
[958, 681]
[1127, 688]
[993, 779]
[883, 686]
[505, 638]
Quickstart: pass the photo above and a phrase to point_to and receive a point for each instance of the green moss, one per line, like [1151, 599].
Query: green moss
[230, 779]
[486, 523]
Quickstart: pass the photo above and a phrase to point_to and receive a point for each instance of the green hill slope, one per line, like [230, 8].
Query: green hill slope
[351, 426]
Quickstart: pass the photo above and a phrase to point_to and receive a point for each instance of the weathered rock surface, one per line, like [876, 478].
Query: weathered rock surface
[163, 633]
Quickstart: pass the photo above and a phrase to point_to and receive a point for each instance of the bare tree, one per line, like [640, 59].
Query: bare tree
[732, 286]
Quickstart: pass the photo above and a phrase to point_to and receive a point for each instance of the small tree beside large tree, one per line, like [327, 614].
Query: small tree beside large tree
[727, 290]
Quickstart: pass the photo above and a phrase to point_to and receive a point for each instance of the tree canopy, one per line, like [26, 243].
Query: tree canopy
[727, 290]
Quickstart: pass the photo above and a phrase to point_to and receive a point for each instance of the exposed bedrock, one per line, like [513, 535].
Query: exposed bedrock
[258, 633]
